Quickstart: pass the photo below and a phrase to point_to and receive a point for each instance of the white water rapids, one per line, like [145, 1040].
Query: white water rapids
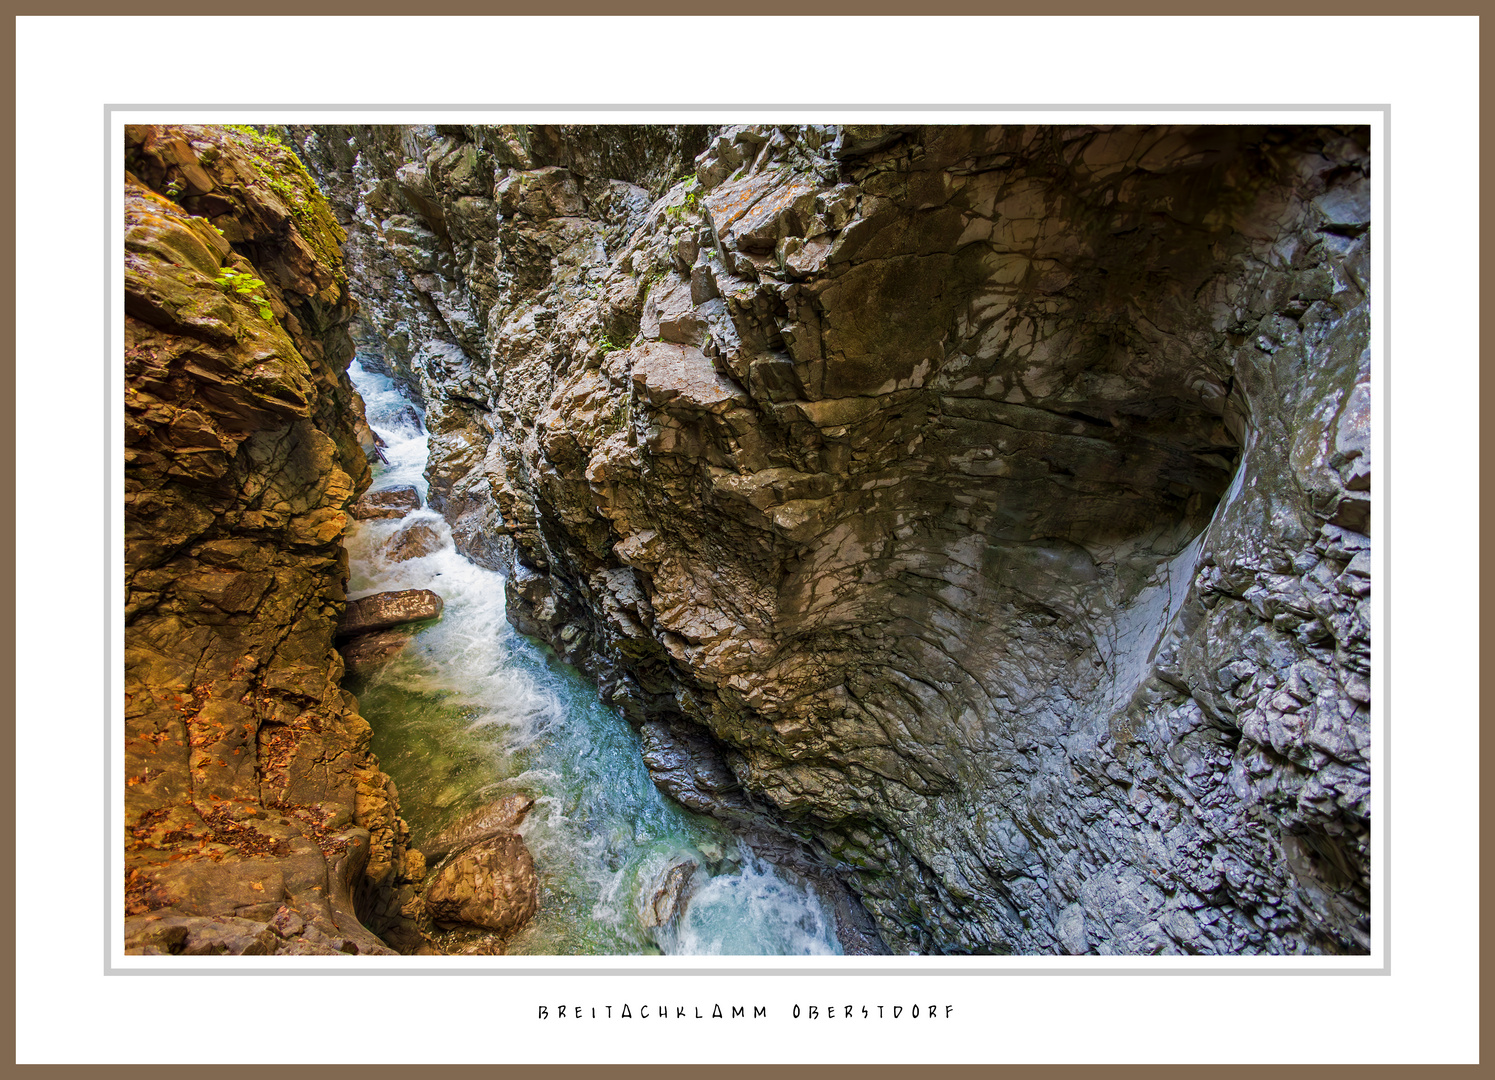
[473, 711]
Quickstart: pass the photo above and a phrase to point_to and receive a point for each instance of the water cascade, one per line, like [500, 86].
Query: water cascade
[472, 711]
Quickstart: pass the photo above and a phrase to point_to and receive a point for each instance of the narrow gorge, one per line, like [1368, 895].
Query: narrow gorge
[807, 539]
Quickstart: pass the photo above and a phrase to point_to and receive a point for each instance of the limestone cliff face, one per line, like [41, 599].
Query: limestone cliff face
[256, 819]
[987, 507]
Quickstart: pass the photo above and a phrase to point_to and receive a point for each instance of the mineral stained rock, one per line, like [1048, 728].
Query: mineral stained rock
[983, 509]
[256, 819]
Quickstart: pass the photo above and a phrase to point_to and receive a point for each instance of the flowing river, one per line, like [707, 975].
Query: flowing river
[473, 711]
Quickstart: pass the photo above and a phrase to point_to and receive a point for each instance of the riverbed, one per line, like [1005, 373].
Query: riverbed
[473, 711]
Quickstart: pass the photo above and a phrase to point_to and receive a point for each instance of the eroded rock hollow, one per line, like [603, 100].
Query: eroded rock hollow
[977, 514]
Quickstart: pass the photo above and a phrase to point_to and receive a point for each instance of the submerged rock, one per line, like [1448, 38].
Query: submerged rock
[414, 540]
[662, 904]
[367, 653]
[393, 502]
[505, 815]
[388, 609]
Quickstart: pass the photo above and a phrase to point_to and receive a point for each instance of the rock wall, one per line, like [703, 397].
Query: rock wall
[986, 507]
[256, 819]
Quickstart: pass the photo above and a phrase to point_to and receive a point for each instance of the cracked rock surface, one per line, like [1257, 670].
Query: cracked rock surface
[983, 511]
[256, 819]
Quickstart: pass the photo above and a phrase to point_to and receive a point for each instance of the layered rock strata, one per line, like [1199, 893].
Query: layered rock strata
[256, 818]
[986, 507]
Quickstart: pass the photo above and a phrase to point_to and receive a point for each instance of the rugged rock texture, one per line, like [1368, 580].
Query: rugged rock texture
[988, 507]
[414, 540]
[257, 820]
[491, 884]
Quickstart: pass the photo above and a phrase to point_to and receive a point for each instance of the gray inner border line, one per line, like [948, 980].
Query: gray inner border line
[1384, 107]
[1380, 312]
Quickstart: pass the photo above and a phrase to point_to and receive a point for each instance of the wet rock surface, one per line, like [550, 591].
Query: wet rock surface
[490, 884]
[364, 654]
[505, 815]
[980, 512]
[256, 819]
[414, 540]
[393, 502]
[662, 905]
[386, 610]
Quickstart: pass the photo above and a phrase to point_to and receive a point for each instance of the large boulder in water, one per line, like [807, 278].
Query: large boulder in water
[415, 540]
[393, 502]
[490, 884]
[389, 609]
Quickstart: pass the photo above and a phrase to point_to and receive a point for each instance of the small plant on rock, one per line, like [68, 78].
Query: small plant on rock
[689, 203]
[248, 286]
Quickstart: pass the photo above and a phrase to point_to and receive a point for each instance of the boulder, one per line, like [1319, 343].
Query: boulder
[363, 654]
[406, 419]
[662, 905]
[415, 540]
[491, 884]
[393, 502]
[388, 609]
[502, 816]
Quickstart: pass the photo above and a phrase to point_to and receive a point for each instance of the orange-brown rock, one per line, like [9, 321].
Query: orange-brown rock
[256, 819]
[491, 884]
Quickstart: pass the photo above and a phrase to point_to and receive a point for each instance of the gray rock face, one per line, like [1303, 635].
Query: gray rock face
[986, 507]
[386, 610]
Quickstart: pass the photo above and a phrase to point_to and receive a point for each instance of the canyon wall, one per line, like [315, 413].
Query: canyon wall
[983, 511]
[256, 819]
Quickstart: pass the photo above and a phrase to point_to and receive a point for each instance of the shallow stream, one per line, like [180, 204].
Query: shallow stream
[473, 711]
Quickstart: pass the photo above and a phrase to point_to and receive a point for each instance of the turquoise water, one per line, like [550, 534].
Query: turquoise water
[473, 711]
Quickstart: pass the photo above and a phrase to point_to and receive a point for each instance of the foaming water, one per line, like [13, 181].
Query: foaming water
[399, 423]
[730, 912]
[473, 711]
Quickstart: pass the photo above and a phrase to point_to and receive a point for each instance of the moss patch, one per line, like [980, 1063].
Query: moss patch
[282, 171]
